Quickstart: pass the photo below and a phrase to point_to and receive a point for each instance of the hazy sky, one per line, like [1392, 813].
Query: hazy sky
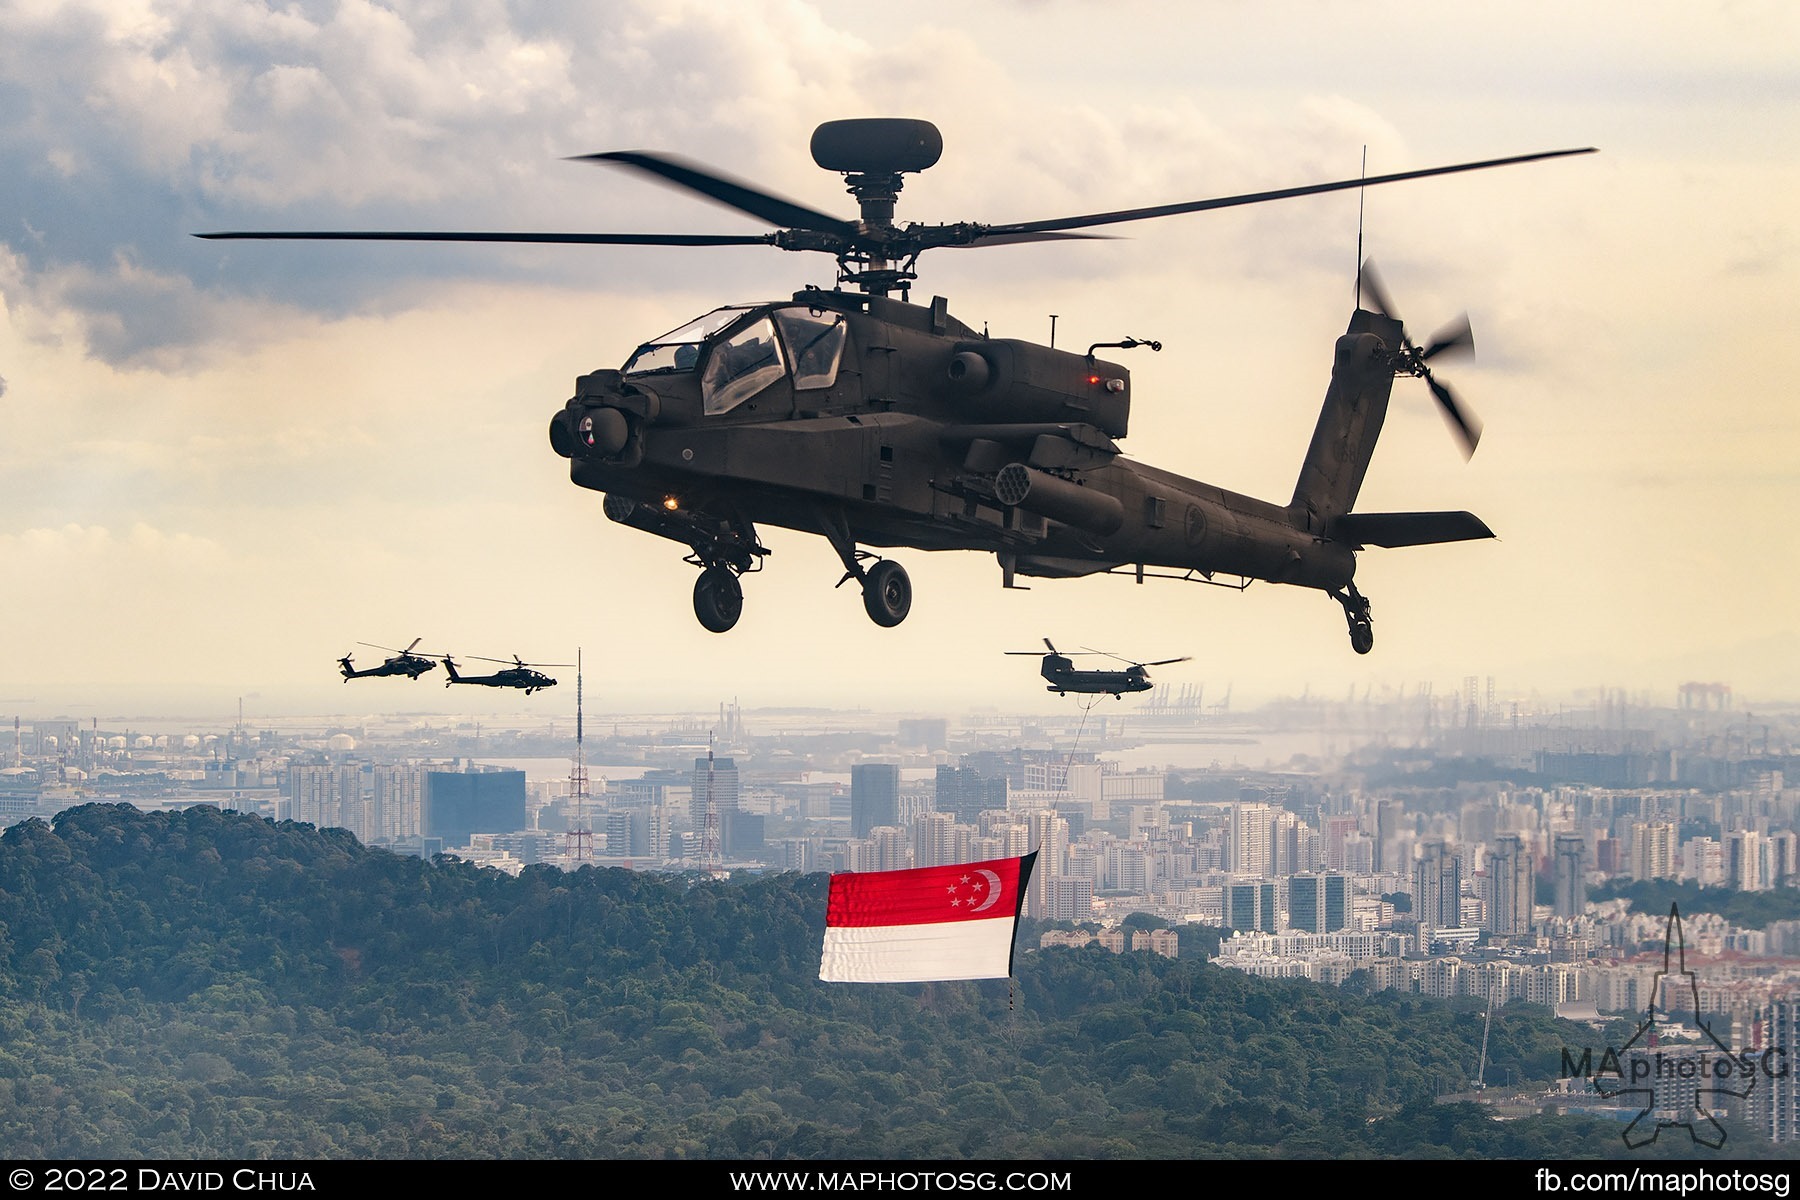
[226, 464]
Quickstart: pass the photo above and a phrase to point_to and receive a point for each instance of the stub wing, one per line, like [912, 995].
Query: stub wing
[1408, 529]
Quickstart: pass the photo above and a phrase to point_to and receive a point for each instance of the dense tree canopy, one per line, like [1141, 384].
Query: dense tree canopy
[205, 984]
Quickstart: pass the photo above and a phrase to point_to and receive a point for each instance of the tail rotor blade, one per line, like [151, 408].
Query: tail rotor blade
[1463, 422]
[1455, 338]
[1379, 301]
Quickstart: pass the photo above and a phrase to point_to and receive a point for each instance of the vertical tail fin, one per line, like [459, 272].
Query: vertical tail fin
[1356, 402]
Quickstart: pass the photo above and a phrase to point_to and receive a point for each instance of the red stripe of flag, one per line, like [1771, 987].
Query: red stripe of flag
[929, 895]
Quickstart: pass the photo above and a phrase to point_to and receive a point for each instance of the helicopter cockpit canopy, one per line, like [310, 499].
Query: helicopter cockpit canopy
[747, 348]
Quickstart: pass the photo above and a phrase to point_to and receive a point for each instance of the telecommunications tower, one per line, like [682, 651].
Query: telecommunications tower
[577, 843]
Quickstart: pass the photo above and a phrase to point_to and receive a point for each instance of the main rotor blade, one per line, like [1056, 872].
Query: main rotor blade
[1163, 662]
[732, 193]
[1013, 239]
[1463, 422]
[576, 239]
[1169, 210]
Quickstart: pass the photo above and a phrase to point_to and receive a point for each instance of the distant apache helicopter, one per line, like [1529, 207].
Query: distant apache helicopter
[519, 675]
[404, 662]
[1060, 670]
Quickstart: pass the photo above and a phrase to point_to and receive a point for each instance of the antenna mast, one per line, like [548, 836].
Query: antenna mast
[1359, 226]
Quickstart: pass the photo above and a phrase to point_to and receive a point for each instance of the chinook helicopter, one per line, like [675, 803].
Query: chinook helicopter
[873, 421]
[1060, 670]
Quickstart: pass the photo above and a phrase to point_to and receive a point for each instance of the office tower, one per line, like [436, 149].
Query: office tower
[461, 803]
[717, 776]
[1250, 905]
[874, 797]
[1319, 903]
[1510, 886]
[1571, 874]
[964, 793]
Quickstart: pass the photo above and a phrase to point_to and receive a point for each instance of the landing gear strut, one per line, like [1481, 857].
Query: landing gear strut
[1356, 612]
[723, 551]
[886, 590]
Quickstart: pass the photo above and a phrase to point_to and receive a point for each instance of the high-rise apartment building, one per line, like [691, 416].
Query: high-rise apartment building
[1746, 861]
[1570, 867]
[1048, 834]
[1068, 898]
[1652, 854]
[1437, 886]
[1509, 886]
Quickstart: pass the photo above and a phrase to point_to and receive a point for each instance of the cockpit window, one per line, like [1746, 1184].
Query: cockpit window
[816, 341]
[679, 349]
[741, 366]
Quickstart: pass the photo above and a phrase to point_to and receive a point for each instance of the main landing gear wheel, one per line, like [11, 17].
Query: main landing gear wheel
[887, 593]
[1362, 636]
[718, 599]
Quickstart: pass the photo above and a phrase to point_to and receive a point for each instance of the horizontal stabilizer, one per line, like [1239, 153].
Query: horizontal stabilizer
[1409, 529]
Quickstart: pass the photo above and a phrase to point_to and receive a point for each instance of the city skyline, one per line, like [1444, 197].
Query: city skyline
[227, 465]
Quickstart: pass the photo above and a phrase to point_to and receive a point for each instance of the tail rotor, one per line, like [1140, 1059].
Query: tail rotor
[1455, 338]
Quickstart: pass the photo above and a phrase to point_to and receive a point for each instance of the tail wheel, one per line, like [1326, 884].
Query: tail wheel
[887, 593]
[718, 599]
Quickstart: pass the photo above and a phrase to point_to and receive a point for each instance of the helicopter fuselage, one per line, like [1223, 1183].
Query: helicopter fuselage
[1064, 679]
[874, 421]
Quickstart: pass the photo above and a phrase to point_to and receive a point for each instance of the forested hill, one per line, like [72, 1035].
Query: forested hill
[206, 984]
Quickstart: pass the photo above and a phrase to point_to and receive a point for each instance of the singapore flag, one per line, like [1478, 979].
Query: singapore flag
[952, 922]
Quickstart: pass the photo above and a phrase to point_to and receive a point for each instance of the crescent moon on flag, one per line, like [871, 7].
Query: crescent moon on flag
[993, 890]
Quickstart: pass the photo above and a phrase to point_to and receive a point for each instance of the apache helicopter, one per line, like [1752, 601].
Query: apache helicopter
[872, 421]
[404, 662]
[519, 675]
[1060, 670]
